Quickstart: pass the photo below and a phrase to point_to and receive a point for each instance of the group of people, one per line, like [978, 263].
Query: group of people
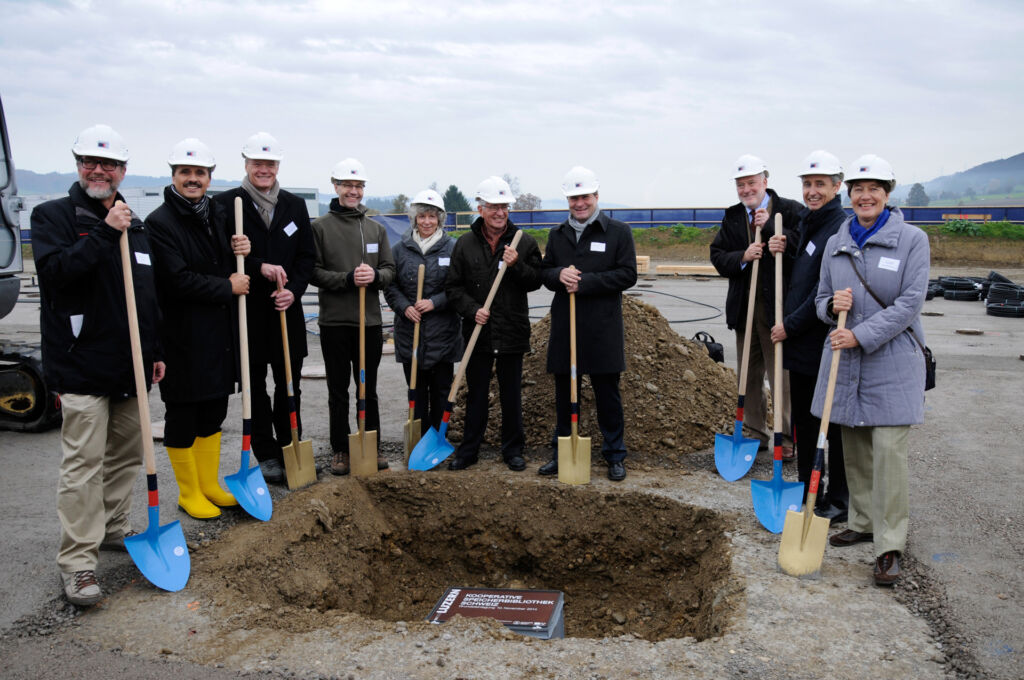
[873, 266]
[187, 283]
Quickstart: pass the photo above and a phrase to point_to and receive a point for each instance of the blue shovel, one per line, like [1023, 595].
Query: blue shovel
[773, 498]
[159, 552]
[247, 485]
[734, 455]
[433, 446]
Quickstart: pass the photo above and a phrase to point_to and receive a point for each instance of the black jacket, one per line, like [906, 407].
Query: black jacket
[440, 337]
[200, 322]
[727, 255]
[606, 256]
[470, 275]
[805, 333]
[293, 249]
[81, 288]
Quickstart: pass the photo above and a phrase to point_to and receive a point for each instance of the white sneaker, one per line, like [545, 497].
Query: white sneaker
[81, 587]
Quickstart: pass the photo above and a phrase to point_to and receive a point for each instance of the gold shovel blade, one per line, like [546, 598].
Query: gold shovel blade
[574, 469]
[411, 436]
[362, 449]
[801, 555]
[299, 466]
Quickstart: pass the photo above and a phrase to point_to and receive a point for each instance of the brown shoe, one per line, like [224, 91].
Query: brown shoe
[339, 464]
[887, 568]
[849, 537]
[382, 463]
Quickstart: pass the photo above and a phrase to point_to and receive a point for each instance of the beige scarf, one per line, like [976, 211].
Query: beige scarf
[265, 202]
[426, 244]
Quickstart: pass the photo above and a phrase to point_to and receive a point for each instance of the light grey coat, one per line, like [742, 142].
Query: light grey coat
[880, 382]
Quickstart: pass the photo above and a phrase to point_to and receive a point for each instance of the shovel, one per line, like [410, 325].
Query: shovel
[573, 451]
[299, 467]
[247, 485]
[803, 538]
[434, 447]
[413, 428]
[772, 499]
[159, 552]
[735, 455]
[362, 445]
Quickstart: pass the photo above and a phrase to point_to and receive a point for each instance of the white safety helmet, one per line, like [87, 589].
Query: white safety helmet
[747, 165]
[579, 181]
[349, 169]
[429, 197]
[870, 166]
[100, 141]
[820, 162]
[191, 151]
[262, 147]
[494, 190]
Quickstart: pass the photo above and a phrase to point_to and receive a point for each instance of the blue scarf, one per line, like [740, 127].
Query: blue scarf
[861, 235]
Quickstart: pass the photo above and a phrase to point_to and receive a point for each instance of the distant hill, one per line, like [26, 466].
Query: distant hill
[996, 179]
[30, 183]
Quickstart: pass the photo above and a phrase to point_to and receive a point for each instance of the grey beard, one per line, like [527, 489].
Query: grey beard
[97, 194]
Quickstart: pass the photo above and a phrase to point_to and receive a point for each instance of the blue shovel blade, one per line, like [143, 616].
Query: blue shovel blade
[773, 498]
[734, 454]
[432, 449]
[250, 490]
[160, 553]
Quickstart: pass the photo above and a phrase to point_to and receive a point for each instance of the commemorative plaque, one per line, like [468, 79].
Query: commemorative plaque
[537, 613]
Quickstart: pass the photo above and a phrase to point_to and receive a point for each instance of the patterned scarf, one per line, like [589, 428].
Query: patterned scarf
[201, 208]
[265, 201]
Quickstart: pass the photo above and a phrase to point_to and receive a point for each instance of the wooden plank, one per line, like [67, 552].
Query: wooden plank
[685, 269]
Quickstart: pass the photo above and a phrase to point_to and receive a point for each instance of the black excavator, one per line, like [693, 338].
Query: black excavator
[26, 404]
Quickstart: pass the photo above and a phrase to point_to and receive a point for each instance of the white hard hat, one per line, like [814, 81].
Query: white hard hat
[494, 190]
[191, 151]
[870, 166]
[349, 169]
[100, 141]
[579, 181]
[820, 162]
[747, 165]
[429, 197]
[262, 147]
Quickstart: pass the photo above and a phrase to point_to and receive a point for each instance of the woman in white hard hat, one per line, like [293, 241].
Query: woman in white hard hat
[440, 342]
[800, 330]
[875, 269]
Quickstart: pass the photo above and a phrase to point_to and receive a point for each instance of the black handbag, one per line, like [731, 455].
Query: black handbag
[715, 349]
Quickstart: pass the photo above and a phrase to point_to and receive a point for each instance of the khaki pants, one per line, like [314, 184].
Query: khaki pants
[102, 454]
[876, 472]
[761, 362]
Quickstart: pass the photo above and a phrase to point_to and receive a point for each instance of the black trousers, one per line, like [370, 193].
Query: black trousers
[610, 421]
[509, 368]
[805, 436]
[183, 422]
[432, 387]
[271, 425]
[340, 347]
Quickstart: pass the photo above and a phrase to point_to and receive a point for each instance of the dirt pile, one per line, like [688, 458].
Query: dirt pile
[674, 397]
[386, 549]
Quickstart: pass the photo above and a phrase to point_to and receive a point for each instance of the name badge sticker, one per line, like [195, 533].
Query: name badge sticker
[76, 324]
[444, 261]
[142, 258]
[291, 228]
[889, 263]
[597, 247]
[372, 247]
[810, 248]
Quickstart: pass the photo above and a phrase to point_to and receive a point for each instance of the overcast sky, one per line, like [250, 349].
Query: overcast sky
[658, 98]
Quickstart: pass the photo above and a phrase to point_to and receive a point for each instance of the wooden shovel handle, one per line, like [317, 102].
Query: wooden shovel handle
[833, 374]
[362, 342]
[420, 273]
[573, 386]
[243, 324]
[779, 394]
[476, 331]
[751, 299]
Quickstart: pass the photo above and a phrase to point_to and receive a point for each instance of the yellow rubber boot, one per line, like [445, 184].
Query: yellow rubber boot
[207, 452]
[190, 498]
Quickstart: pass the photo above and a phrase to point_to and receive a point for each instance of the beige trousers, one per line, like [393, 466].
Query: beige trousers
[102, 454]
[761, 362]
[876, 472]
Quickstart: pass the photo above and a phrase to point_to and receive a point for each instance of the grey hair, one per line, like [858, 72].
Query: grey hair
[417, 209]
[837, 178]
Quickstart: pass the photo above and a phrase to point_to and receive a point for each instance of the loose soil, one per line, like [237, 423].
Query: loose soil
[674, 396]
[387, 548]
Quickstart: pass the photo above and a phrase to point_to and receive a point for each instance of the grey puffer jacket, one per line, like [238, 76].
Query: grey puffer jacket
[880, 382]
[440, 339]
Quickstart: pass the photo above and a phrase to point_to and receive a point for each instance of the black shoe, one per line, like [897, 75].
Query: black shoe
[617, 471]
[273, 471]
[515, 463]
[549, 468]
[833, 514]
[462, 463]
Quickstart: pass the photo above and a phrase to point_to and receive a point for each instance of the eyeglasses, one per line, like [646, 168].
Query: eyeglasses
[349, 185]
[496, 207]
[107, 164]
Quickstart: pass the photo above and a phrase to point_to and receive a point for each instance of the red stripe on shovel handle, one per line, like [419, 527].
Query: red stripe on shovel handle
[819, 462]
[447, 413]
[739, 409]
[574, 410]
[153, 497]
[293, 420]
[815, 477]
[778, 446]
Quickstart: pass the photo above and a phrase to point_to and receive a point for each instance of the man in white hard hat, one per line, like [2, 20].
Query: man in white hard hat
[87, 355]
[280, 265]
[732, 253]
[592, 256]
[505, 335]
[352, 252]
[194, 247]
